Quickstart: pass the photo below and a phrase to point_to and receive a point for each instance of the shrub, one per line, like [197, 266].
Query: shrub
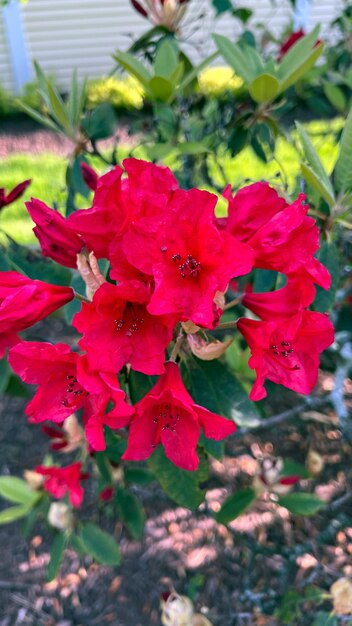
[123, 93]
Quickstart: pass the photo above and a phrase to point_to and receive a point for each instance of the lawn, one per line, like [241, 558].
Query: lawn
[47, 172]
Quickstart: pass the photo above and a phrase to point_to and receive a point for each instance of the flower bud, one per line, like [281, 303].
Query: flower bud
[60, 516]
[176, 610]
[34, 480]
[314, 463]
[269, 477]
[189, 327]
[341, 592]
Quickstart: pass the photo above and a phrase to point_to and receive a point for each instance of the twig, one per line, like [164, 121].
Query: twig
[80, 297]
[340, 501]
[285, 415]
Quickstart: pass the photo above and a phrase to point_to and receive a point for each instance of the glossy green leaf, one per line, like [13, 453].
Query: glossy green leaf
[101, 123]
[140, 384]
[56, 555]
[192, 74]
[180, 485]
[235, 505]
[293, 468]
[13, 513]
[100, 544]
[192, 147]
[301, 503]
[133, 66]
[17, 490]
[313, 159]
[166, 59]
[328, 255]
[131, 512]
[58, 110]
[336, 96]
[343, 167]
[235, 57]
[299, 69]
[228, 398]
[161, 88]
[264, 88]
[312, 179]
[5, 373]
[138, 475]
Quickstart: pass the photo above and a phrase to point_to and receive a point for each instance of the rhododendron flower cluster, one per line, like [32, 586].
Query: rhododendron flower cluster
[170, 261]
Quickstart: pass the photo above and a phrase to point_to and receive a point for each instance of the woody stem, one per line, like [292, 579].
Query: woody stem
[80, 297]
[177, 346]
[227, 325]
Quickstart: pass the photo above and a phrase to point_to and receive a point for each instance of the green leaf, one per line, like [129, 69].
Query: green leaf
[166, 120]
[138, 475]
[213, 385]
[38, 117]
[343, 167]
[301, 503]
[100, 544]
[133, 66]
[192, 147]
[17, 490]
[264, 88]
[104, 467]
[314, 160]
[221, 6]
[58, 110]
[328, 255]
[13, 513]
[131, 512]
[293, 468]
[336, 96]
[74, 178]
[264, 280]
[166, 59]
[237, 140]
[192, 74]
[140, 385]
[235, 505]
[180, 485]
[101, 123]
[312, 179]
[299, 59]
[160, 88]
[235, 57]
[303, 68]
[5, 373]
[71, 308]
[56, 554]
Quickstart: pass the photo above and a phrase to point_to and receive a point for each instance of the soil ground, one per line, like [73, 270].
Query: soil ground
[237, 575]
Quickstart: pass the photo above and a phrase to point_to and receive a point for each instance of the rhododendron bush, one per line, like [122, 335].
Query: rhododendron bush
[186, 311]
[162, 287]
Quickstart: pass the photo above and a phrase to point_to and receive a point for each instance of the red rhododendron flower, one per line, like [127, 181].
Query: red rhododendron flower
[89, 176]
[62, 480]
[24, 302]
[14, 194]
[290, 41]
[57, 239]
[276, 305]
[189, 258]
[118, 201]
[287, 351]
[168, 415]
[117, 329]
[282, 236]
[66, 384]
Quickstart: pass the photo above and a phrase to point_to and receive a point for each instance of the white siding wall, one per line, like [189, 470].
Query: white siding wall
[6, 77]
[83, 34]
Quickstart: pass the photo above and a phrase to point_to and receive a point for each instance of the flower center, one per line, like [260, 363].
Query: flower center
[167, 417]
[188, 266]
[131, 322]
[284, 350]
[75, 393]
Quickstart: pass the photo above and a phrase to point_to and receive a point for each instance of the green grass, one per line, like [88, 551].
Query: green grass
[47, 172]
